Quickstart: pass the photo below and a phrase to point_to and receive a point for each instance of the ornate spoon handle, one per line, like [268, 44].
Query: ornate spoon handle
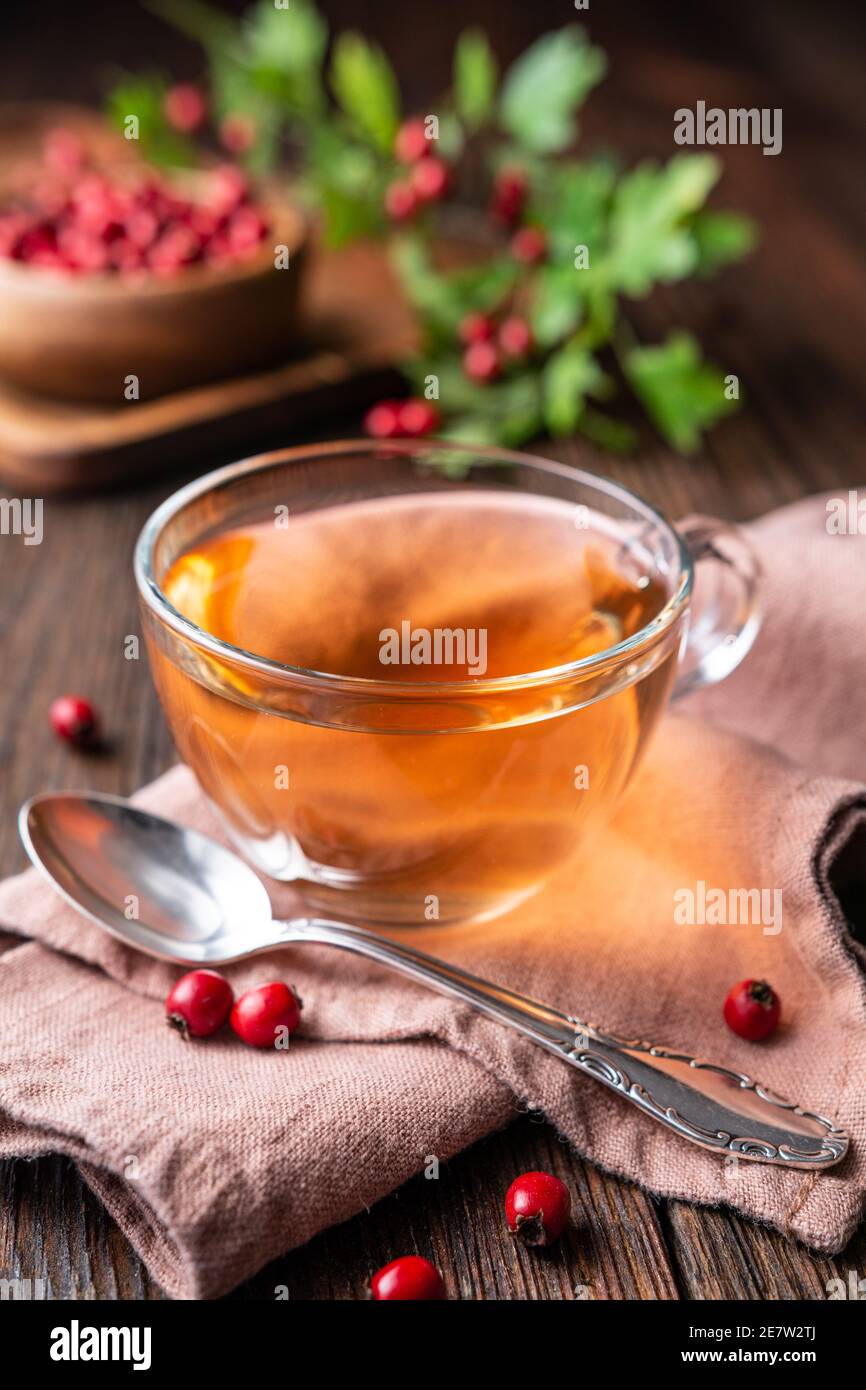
[710, 1105]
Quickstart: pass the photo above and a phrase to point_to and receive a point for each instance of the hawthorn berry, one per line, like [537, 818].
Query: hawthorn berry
[408, 1279]
[401, 200]
[537, 1208]
[429, 180]
[752, 1010]
[481, 362]
[529, 245]
[411, 143]
[514, 337]
[382, 421]
[199, 1003]
[74, 719]
[258, 1015]
[417, 417]
[184, 107]
[509, 196]
[476, 328]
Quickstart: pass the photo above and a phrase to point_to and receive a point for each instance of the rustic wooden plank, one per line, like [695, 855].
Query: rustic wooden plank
[719, 1255]
[59, 1234]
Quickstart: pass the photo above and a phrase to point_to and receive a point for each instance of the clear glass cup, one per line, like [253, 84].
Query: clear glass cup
[395, 799]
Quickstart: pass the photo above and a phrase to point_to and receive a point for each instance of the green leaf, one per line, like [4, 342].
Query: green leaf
[569, 376]
[557, 304]
[346, 182]
[545, 86]
[682, 393]
[518, 407]
[606, 432]
[574, 206]
[346, 217]
[475, 72]
[366, 88]
[468, 429]
[722, 237]
[291, 40]
[443, 298]
[651, 239]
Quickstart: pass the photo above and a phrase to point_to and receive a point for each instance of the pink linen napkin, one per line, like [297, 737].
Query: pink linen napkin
[214, 1159]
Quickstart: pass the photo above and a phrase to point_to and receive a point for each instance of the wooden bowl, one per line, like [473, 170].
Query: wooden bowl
[79, 337]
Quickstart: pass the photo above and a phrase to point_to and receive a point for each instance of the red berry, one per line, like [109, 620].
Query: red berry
[260, 1014]
[401, 201]
[417, 417]
[142, 228]
[430, 179]
[537, 1207]
[74, 719]
[177, 247]
[529, 245]
[228, 187]
[411, 1278]
[246, 230]
[481, 362]
[476, 328]
[82, 250]
[237, 133]
[411, 143]
[509, 196]
[184, 107]
[752, 1010]
[515, 337]
[199, 1003]
[382, 421]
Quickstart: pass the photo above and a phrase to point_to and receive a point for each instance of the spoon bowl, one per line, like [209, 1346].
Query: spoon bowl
[166, 890]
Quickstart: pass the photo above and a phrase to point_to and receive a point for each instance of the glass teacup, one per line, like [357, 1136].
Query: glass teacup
[415, 678]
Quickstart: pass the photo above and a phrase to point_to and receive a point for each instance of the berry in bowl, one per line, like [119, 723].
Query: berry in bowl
[122, 284]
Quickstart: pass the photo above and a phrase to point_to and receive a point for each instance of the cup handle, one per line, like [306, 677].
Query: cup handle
[724, 621]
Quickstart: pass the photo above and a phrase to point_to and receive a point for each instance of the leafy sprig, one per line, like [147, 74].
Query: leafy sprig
[332, 108]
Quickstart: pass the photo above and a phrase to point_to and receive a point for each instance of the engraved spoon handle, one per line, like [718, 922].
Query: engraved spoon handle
[709, 1105]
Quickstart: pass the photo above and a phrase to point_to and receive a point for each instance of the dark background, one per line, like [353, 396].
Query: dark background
[791, 322]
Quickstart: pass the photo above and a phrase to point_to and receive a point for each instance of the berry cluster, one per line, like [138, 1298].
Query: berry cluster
[491, 343]
[202, 1000]
[490, 346]
[76, 219]
[410, 419]
[426, 179]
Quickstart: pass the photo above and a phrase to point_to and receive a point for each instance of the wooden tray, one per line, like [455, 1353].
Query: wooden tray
[356, 326]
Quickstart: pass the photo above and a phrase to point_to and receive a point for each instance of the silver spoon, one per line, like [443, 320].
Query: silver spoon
[180, 896]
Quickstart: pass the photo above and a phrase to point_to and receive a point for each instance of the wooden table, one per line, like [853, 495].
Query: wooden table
[791, 323]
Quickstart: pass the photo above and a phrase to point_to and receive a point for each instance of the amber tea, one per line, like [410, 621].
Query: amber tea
[431, 771]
